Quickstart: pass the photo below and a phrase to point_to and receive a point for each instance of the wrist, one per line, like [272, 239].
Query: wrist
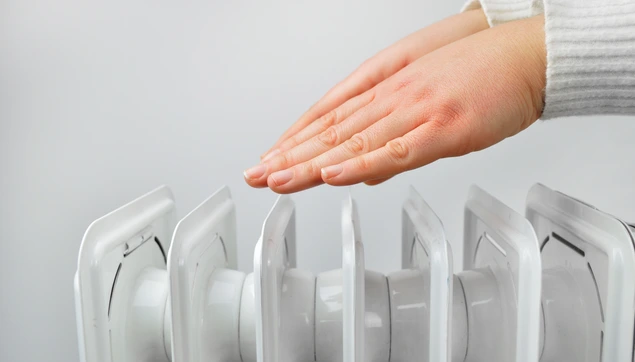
[501, 12]
[534, 50]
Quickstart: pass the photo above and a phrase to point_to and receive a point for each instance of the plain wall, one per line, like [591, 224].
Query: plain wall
[102, 102]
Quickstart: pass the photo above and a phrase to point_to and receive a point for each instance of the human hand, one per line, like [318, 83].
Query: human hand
[375, 70]
[461, 98]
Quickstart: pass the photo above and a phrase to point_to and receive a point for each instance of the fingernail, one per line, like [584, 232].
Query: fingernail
[282, 177]
[331, 171]
[270, 155]
[255, 172]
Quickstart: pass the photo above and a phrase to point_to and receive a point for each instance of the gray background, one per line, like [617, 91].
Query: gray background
[99, 103]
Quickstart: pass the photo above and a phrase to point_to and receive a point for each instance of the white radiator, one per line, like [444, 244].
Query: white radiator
[557, 285]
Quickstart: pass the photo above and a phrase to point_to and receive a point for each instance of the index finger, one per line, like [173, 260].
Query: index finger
[334, 98]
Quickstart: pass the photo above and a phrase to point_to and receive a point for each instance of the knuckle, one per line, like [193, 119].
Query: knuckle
[285, 160]
[358, 144]
[363, 164]
[458, 141]
[329, 138]
[370, 96]
[402, 83]
[425, 94]
[446, 112]
[329, 119]
[311, 168]
[453, 124]
[398, 149]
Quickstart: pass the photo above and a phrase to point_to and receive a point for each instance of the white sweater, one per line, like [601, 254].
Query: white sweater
[590, 52]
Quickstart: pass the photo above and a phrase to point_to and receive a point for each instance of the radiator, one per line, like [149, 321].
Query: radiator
[557, 284]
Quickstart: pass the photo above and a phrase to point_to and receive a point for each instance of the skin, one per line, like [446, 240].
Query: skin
[453, 88]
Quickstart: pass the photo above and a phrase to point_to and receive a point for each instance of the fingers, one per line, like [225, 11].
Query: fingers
[425, 144]
[309, 173]
[349, 136]
[317, 145]
[363, 79]
[330, 119]
[386, 63]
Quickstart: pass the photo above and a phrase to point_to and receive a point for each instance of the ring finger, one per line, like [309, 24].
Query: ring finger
[311, 172]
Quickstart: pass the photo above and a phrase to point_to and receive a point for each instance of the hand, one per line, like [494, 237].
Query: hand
[377, 69]
[461, 98]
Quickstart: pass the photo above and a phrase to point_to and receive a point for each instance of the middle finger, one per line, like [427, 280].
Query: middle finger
[326, 140]
[309, 173]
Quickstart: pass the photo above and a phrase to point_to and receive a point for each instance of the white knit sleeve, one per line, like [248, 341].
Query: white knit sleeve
[502, 11]
[590, 57]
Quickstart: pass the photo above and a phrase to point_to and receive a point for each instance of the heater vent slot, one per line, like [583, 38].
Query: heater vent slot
[544, 243]
[601, 345]
[569, 244]
[495, 244]
[597, 291]
[156, 240]
[112, 289]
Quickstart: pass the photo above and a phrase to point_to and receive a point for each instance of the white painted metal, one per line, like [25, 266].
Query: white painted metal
[589, 276]
[120, 260]
[248, 321]
[502, 283]
[297, 323]
[205, 292]
[275, 253]
[426, 253]
[329, 316]
[130, 308]
[354, 282]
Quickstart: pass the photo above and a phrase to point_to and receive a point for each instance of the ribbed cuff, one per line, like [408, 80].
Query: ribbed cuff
[590, 57]
[503, 11]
